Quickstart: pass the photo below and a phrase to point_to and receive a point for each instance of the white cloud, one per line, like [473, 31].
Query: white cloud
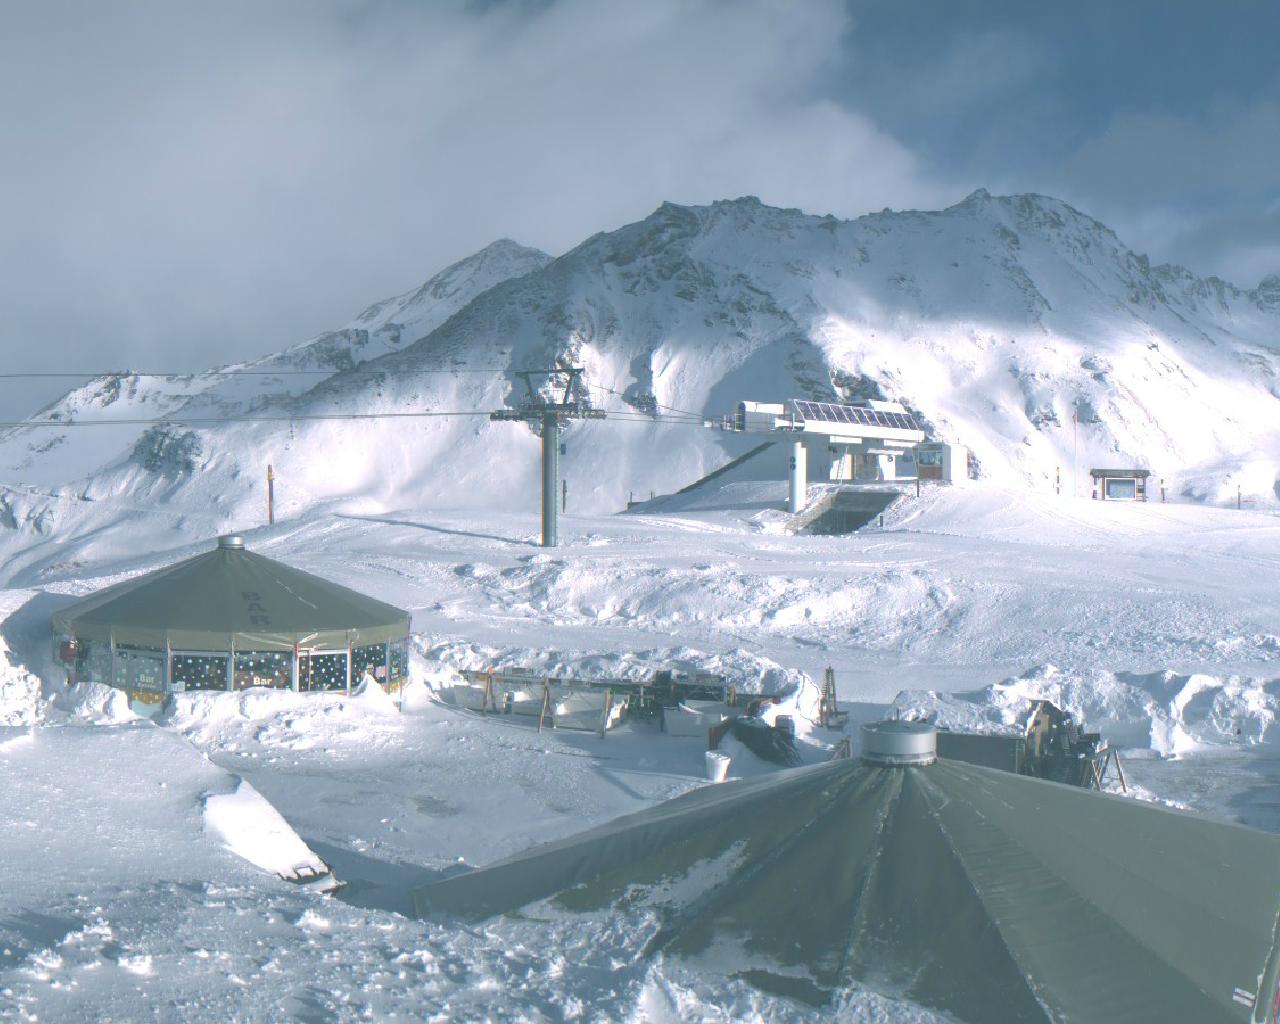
[188, 183]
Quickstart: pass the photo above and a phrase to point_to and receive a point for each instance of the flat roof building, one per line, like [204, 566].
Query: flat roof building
[868, 442]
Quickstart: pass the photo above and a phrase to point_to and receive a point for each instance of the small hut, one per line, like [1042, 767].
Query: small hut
[993, 897]
[229, 619]
[1120, 484]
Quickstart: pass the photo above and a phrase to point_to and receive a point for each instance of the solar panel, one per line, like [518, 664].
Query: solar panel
[829, 412]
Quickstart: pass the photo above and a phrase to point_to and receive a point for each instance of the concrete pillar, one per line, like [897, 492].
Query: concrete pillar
[798, 490]
[550, 480]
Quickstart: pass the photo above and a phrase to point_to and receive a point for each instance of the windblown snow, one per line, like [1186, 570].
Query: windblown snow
[143, 858]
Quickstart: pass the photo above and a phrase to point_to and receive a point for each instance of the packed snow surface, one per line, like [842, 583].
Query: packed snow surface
[146, 874]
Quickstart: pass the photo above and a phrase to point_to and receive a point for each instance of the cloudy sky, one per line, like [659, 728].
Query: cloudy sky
[189, 183]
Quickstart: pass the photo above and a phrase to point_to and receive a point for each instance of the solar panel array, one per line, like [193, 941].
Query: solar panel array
[828, 412]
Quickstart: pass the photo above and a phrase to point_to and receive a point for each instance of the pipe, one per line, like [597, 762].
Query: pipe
[797, 492]
[550, 477]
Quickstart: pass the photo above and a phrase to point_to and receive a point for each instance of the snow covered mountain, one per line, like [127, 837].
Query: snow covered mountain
[386, 326]
[1015, 325]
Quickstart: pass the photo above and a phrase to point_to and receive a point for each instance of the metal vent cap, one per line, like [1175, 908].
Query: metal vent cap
[232, 541]
[895, 743]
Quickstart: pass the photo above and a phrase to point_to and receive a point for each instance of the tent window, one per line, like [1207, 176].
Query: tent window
[199, 671]
[370, 657]
[139, 668]
[93, 662]
[399, 660]
[263, 668]
[326, 671]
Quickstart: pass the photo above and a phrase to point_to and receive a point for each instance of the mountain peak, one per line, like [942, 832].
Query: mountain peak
[1268, 289]
[507, 247]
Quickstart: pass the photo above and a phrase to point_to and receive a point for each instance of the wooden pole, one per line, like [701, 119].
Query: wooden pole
[608, 707]
[546, 702]
[271, 495]
[1115, 756]
[1075, 469]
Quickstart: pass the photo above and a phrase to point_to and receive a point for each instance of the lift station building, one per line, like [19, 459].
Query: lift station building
[229, 619]
[876, 441]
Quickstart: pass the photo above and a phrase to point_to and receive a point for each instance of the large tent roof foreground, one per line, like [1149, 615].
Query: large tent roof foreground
[990, 896]
[205, 602]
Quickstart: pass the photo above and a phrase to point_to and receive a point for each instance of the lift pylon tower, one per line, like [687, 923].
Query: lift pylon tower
[550, 414]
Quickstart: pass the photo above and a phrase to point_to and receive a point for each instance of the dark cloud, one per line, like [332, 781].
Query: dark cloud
[1162, 119]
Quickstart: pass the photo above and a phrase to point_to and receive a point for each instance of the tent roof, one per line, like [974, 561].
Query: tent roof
[228, 591]
[988, 895]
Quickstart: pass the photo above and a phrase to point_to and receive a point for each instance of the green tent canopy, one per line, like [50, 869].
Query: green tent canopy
[148, 633]
[990, 896]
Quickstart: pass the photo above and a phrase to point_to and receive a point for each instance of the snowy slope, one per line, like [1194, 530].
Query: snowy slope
[52, 456]
[1015, 325]
[1159, 618]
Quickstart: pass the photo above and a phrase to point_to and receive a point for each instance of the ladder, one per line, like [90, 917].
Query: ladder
[829, 714]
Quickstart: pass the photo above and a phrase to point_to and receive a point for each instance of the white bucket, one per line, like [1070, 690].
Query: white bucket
[717, 766]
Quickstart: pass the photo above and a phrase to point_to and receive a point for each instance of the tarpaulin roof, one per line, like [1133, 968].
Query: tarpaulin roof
[204, 602]
[987, 895]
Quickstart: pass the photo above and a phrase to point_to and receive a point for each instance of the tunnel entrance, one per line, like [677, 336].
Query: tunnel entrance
[848, 511]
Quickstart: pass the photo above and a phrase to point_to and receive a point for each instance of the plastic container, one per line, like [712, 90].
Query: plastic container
[717, 766]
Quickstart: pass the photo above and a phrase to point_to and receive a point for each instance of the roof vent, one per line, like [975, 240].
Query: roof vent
[896, 743]
[233, 541]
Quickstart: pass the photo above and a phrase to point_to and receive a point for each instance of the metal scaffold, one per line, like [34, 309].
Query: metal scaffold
[550, 415]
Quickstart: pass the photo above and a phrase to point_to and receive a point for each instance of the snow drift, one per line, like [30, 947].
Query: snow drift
[1167, 712]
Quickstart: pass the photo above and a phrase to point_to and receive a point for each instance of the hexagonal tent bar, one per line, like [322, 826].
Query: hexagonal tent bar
[229, 619]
